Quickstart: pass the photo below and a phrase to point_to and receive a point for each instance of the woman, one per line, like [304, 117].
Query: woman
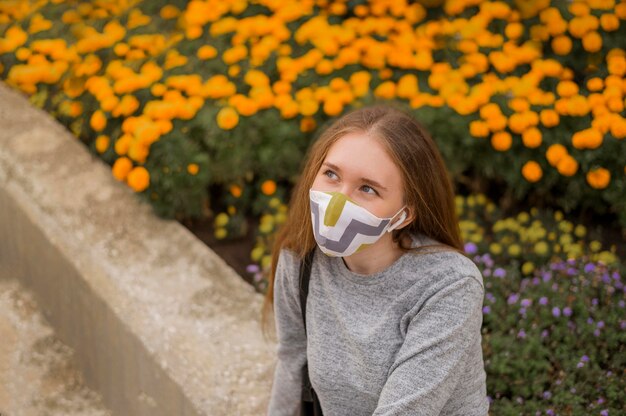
[394, 309]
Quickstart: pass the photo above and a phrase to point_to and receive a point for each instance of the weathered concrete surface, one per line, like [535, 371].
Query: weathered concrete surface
[160, 324]
[37, 373]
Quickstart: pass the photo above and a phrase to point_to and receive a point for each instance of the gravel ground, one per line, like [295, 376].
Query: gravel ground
[37, 374]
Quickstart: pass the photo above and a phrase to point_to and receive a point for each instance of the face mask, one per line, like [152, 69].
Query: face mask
[342, 227]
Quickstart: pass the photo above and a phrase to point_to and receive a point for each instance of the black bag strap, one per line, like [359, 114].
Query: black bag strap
[310, 404]
[305, 275]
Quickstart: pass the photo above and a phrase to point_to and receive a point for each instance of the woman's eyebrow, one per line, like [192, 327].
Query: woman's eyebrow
[370, 181]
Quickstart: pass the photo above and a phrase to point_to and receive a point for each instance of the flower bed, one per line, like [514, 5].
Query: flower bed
[206, 110]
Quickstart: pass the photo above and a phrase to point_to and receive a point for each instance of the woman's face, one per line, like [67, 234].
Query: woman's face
[359, 167]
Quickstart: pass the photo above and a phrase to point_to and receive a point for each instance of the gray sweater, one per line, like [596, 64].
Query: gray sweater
[403, 341]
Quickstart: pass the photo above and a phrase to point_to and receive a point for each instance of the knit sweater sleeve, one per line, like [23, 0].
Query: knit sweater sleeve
[291, 348]
[430, 361]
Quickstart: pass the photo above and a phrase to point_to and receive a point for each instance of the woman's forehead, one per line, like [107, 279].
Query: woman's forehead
[363, 156]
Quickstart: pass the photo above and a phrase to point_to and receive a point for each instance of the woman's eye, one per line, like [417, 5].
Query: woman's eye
[370, 188]
[330, 173]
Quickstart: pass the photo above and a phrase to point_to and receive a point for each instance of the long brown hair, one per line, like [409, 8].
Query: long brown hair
[428, 188]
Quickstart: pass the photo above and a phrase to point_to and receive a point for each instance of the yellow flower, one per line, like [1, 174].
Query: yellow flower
[527, 268]
[221, 219]
[220, 233]
[495, 248]
[514, 250]
[227, 118]
[541, 248]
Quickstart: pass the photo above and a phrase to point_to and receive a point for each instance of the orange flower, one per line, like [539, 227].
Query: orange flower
[599, 178]
[562, 45]
[268, 187]
[227, 118]
[514, 30]
[501, 141]
[236, 191]
[333, 106]
[555, 153]
[532, 171]
[587, 139]
[549, 118]
[206, 52]
[138, 179]
[595, 84]
[98, 120]
[121, 167]
[592, 42]
[307, 124]
[102, 143]
[566, 88]
[609, 22]
[193, 168]
[532, 138]
[567, 166]
[479, 128]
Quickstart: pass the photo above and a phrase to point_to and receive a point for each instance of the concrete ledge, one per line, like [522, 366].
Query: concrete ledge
[160, 324]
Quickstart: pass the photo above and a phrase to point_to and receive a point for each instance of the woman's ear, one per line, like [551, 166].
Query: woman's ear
[408, 218]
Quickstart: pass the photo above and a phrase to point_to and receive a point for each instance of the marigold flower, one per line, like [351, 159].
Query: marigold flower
[193, 168]
[532, 171]
[592, 42]
[531, 138]
[138, 178]
[609, 22]
[98, 120]
[555, 153]
[549, 118]
[121, 167]
[562, 45]
[599, 178]
[501, 141]
[227, 118]
[102, 143]
[479, 128]
[566, 88]
[587, 139]
[206, 52]
[567, 166]
[268, 187]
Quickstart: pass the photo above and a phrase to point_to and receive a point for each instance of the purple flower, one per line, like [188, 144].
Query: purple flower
[536, 281]
[522, 311]
[556, 311]
[567, 311]
[590, 320]
[544, 333]
[490, 297]
[499, 272]
[589, 267]
[600, 400]
[616, 275]
[546, 276]
[526, 302]
[604, 412]
[547, 395]
[622, 325]
[550, 412]
[571, 271]
[543, 300]
[579, 365]
[486, 309]
[521, 334]
[596, 333]
[487, 272]
[594, 301]
[609, 373]
[471, 248]
[606, 279]
[584, 358]
[600, 324]
[512, 298]
[252, 268]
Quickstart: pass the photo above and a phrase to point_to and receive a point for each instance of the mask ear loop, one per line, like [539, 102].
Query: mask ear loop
[402, 218]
